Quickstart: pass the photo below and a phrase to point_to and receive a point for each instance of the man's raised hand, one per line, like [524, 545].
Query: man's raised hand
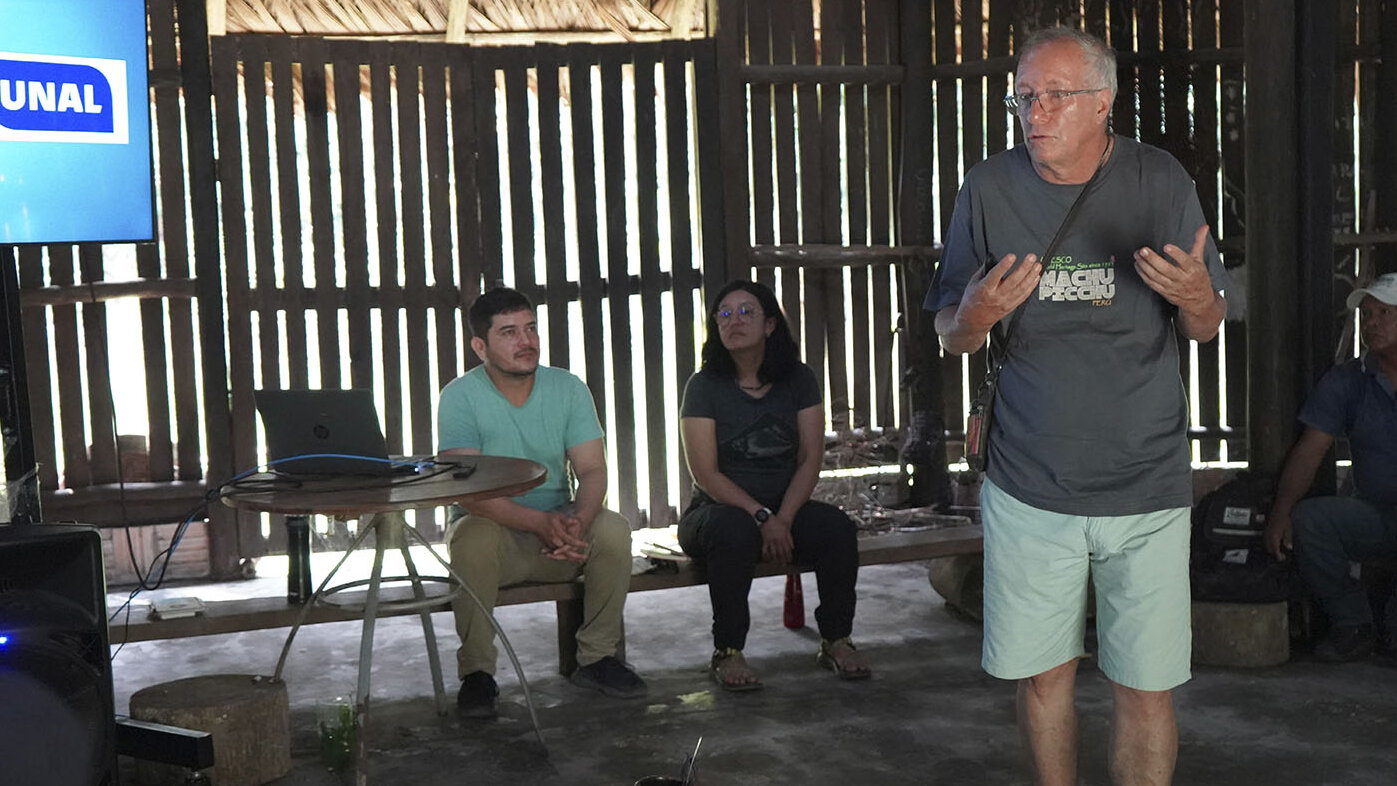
[995, 292]
[1179, 277]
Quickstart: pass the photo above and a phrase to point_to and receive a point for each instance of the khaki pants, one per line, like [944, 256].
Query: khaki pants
[488, 556]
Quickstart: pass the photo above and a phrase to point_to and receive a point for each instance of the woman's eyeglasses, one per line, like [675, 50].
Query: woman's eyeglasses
[744, 312]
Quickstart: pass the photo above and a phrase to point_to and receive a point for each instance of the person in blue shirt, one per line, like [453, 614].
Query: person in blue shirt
[1357, 400]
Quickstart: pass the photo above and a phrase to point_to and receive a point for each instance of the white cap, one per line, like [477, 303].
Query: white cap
[1384, 289]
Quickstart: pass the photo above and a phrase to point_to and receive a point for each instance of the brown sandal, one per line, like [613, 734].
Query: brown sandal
[730, 670]
[848, 664]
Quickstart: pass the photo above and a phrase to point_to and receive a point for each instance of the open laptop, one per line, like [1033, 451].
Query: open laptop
[314, 423]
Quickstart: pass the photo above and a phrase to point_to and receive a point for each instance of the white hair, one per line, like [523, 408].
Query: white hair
[1101, 59]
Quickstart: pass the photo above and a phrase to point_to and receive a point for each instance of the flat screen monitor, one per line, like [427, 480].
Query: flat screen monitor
[75, 154]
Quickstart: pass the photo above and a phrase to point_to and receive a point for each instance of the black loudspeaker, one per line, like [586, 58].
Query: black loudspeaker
[57, 719]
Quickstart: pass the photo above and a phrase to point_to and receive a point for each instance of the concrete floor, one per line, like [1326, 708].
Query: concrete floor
[929, 715]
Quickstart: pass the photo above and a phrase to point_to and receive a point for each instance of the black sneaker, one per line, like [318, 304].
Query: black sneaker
[612, 677]
[1346, 643]
[477, 696]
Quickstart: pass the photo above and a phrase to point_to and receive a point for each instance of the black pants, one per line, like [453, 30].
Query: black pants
[727, 543]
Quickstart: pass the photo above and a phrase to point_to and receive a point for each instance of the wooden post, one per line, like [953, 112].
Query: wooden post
[916, 228]
[197, 78]
[1385, 154]
[1317, 52]
[1272, 239]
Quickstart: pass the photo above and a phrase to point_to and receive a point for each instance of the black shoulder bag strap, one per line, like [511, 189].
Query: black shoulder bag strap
[1048, 255]
[977, 448]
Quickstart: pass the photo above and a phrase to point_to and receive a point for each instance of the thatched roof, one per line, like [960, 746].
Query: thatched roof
[464, 20]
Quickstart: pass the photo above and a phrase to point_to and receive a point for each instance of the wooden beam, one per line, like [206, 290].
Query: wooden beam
[811, 255]
[801, 73]
[129, 504]
[232, 616]
[102, 291]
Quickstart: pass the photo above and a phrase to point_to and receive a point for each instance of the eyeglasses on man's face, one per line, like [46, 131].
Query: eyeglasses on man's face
[744, 312]
[1049, 100]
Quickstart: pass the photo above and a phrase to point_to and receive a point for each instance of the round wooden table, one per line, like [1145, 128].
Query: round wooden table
[445, 480]
[440, 481]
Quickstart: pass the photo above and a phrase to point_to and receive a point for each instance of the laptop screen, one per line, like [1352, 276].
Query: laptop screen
[323, 432]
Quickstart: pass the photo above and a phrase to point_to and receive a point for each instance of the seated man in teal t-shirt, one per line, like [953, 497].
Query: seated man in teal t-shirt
[512, 406]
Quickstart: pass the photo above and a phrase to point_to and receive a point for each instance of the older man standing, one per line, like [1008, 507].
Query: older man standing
[1089, 470]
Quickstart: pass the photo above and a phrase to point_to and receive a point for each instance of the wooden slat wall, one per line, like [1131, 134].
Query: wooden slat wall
[772, 141]
[1175, 112]
[857, 410]
[633, 308]
[246, 251]
[69, 339]
[653, 342]
[350, 227]
[1207, 175]
[590, 278]
[422, 215]
[821, 182]
[1231, 220]
[949, 152]
[38, 369]
[176, 360]
[881, 46]
[1374, 24]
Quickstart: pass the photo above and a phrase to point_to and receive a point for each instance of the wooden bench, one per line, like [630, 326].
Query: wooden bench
[233, 616]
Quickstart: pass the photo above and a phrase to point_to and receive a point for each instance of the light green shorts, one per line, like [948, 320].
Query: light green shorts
[1036, 568]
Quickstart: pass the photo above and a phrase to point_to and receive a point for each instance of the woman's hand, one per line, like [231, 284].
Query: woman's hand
[777, 545]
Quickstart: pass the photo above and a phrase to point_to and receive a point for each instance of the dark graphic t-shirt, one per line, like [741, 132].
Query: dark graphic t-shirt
[1091, 418]
[757, 437]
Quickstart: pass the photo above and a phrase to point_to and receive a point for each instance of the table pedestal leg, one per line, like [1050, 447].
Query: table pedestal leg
[390, 530]
[319, 592]
[489, 614]
[428, 632]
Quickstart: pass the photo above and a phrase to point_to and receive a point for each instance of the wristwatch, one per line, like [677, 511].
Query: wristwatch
[763, 513]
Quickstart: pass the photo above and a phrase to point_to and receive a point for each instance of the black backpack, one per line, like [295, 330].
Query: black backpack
[1229, 561]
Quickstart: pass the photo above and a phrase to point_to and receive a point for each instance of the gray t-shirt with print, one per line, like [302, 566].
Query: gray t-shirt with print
[1091, 417]
[758, 438]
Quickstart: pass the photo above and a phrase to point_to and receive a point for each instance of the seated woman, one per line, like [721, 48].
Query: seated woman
[753, 428]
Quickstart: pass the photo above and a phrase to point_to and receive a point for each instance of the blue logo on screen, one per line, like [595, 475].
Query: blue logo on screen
[62, 99]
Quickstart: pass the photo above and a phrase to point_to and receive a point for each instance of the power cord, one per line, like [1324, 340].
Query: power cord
[274, 479]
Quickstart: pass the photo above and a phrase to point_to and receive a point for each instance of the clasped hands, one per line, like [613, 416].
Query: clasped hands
[564, 537]
[1180, 277]
[777, 545]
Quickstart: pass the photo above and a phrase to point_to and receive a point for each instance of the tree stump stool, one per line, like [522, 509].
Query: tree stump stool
[1241, 634]
[249, 717]
[960, 581]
